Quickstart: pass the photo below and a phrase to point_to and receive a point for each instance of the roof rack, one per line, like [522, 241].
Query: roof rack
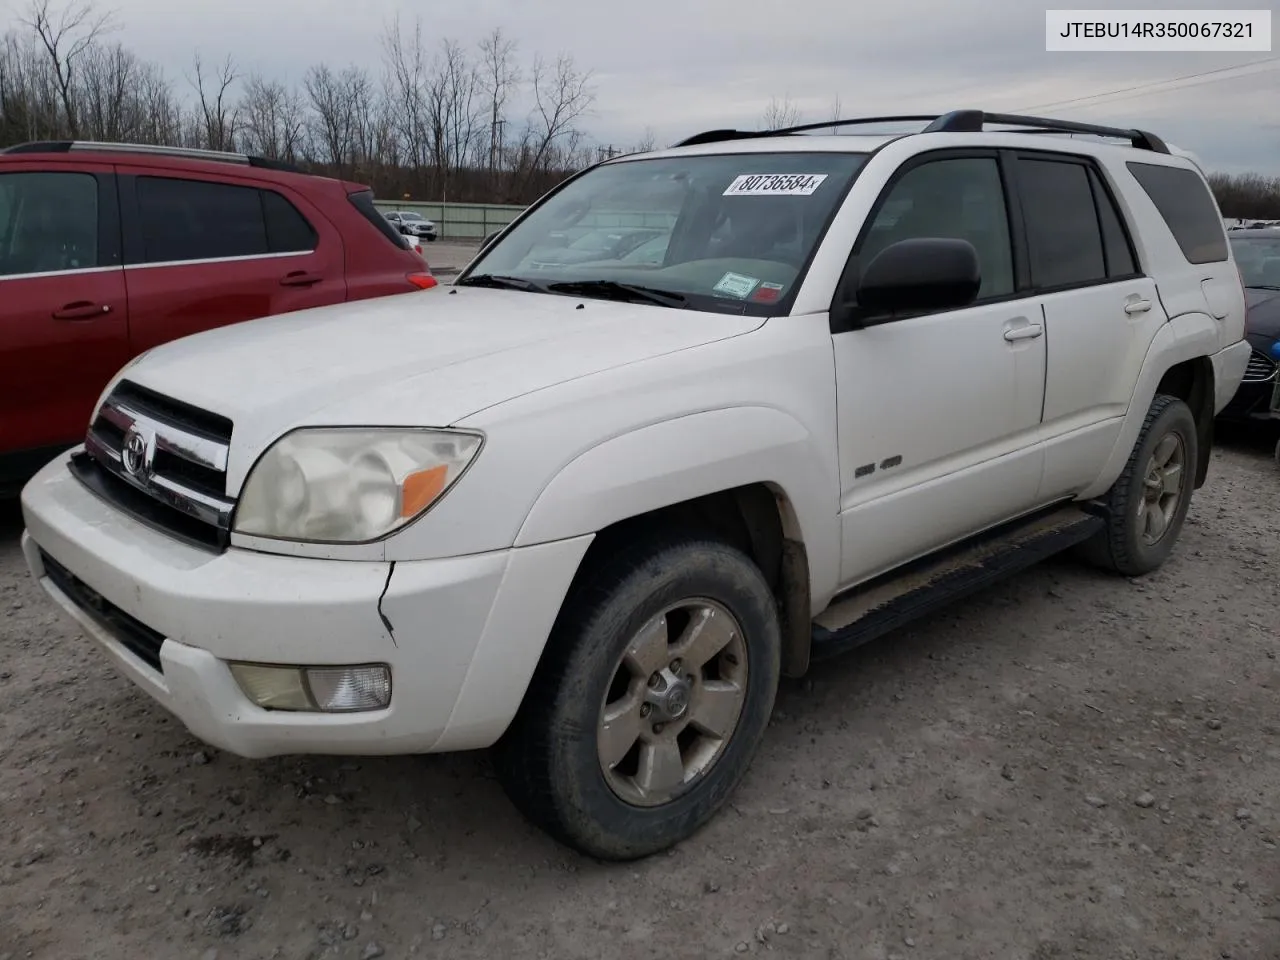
[957, 121]
[148, 149]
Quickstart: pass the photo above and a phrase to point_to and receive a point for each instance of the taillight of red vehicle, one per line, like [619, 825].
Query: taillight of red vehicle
[423, 281]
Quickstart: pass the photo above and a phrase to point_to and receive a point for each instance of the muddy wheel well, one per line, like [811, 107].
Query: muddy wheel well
[758, 520]
[1192, 382]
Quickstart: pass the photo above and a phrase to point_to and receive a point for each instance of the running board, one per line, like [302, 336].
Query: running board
[929, 584]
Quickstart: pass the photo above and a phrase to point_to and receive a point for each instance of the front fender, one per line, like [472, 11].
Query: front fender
[692, 456]
[1184, 338]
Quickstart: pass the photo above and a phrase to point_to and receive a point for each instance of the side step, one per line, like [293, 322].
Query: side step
[886, 603]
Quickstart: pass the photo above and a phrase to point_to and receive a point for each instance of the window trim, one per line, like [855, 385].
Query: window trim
[1016, 239]
[134, 247]
[1053, 156]
[109, 223]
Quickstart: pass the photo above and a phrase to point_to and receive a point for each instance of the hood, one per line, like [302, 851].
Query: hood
[1264, 312]
[416, 359]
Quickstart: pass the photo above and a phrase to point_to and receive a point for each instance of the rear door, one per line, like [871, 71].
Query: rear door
[204, 252]
[63, 311]
[1101, 312]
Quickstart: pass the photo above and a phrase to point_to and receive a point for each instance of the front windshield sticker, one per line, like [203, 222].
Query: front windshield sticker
[775, 185]
[736, 285]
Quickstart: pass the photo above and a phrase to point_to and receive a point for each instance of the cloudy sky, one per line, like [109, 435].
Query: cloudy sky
[677, 66]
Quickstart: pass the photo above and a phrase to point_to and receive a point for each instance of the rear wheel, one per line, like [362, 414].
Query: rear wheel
[652, 697]
[1147, 505]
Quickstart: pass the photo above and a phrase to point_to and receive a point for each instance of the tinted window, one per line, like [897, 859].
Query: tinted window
[1063, 235]
[48, 222]
[1183, 199]
[1115, 239]
[362, 200]
[287, 230]
[960, 199]
[198, 220]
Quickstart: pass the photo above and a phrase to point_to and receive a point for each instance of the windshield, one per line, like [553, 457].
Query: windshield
[1259, 260]
[410, 216]
[722, 232]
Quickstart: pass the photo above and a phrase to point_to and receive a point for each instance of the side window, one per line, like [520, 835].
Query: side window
[199, 220]
[959, 198]
[48, 222]
[287, 229]
[1184, 201]
[1115, 238]
[1063, 234]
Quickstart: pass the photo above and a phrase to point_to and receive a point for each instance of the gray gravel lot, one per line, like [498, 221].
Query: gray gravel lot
[1066, 766]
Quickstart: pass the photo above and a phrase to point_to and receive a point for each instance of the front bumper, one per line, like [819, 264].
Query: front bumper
[461, 635]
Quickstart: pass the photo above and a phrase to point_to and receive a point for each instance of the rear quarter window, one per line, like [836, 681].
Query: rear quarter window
[362, 200]
[1184, 201]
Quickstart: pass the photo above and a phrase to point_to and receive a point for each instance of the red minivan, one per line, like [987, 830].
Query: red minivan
[107, 250]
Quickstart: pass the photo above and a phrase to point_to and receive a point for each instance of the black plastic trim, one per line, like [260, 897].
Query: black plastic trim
[131, 633]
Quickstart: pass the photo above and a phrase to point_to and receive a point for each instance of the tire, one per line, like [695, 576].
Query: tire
[1125, 546]
[614, 629]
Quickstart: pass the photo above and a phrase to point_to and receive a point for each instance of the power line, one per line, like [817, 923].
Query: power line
[1146, 88]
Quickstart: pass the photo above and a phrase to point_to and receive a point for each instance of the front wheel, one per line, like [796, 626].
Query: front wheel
[1147, 505]
[653, 694]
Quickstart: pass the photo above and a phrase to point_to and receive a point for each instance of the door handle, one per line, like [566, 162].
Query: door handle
[1137, 306]
[1028, 332]
[81, 310]
[300, 278]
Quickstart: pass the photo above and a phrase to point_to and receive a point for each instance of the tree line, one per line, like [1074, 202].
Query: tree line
[433, 120]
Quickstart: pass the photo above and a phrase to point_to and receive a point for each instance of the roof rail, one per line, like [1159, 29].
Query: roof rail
[975, 121]
[148, 149]
[957, 121]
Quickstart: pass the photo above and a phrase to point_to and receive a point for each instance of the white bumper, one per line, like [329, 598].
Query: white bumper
[465, 633]
[1228, 370]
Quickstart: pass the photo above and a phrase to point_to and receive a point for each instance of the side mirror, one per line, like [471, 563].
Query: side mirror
[489, 239]
[923, 273]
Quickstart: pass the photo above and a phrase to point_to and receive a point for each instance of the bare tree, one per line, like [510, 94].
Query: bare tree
[780, 113]
[452, 116]
[562, 95]
[217, 112]
[108, 105]
[498, 76]
[272, 119]
[66, 35]
[647, 141]
[408, 66]
[836, 109]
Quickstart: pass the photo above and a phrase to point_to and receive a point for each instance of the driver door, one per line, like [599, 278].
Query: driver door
[939, 413]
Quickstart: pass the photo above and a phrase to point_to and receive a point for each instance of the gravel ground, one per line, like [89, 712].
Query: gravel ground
[1066, 766]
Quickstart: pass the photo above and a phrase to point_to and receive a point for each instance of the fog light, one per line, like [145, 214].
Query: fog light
[315, 689]
[274, 688]
[346, 689]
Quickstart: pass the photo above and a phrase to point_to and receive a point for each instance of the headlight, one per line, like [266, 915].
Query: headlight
[350, 484]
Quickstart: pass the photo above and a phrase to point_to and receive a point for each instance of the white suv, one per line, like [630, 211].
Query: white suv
[590, 512]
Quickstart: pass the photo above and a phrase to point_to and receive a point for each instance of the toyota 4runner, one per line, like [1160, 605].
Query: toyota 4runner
[589, 512]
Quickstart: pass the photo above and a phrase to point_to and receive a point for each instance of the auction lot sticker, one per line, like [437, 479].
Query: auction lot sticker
[775, 185]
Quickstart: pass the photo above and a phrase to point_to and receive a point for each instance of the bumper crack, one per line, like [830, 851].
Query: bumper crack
[385, 622]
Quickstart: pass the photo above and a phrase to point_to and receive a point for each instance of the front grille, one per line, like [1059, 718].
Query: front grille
[131, 633]
[162, 461]
[1260, 368]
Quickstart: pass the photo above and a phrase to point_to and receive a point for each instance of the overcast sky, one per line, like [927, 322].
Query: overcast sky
[678, 66]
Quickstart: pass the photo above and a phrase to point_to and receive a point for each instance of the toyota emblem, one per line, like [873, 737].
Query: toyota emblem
[136, 454]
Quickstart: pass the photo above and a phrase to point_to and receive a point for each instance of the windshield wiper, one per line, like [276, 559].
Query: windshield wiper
[1262, 286]
[613, 290]
[499, 282]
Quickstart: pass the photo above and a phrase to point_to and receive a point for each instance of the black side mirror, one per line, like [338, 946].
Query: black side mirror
[920, 274]
[489, 239]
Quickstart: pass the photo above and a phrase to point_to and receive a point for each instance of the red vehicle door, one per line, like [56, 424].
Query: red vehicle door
[203, 252]
[63, 310]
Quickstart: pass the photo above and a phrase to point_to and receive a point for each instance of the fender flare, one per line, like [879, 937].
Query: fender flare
[1184, 338]
[675, 460]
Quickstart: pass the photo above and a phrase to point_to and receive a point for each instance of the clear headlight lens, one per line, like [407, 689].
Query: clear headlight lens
[350, 484]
